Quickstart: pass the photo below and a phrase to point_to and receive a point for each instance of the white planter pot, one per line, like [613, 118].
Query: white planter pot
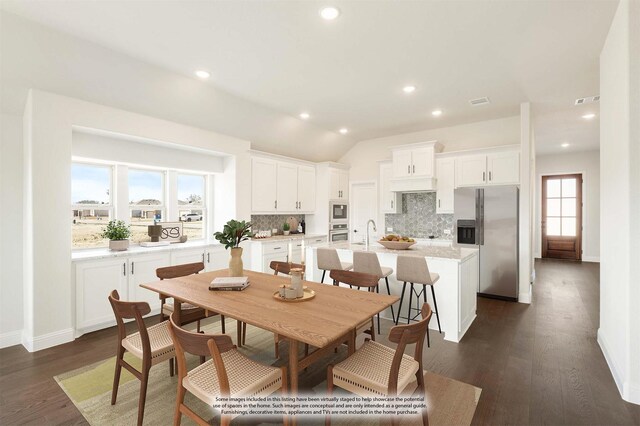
[118, 245]
[286, 232]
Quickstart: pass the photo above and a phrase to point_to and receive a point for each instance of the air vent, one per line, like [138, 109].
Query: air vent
[479, 101]
[587, 100]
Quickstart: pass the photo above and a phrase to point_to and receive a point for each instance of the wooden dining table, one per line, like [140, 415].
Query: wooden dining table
[324, 322]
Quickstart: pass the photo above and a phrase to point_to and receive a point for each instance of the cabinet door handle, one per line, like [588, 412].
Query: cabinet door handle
[409, 169]
[483, 176]
[277, 248]
[275, 204]
[438, 202]
[391, 203]
[300, 203]
[202, 257]
[489, 176]
[124, 269]
[208, 257]
[414, 168]
[132, 268]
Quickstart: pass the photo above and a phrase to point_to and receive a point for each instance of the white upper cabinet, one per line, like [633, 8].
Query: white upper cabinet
[445, 172]
[471, 170]
[389, 200]
[263, 185]
[287, 187]
[401, 163]
[503, 168]
[306, 188]
[338, 184]
[496, 168]
[416, 160]
[282, 187]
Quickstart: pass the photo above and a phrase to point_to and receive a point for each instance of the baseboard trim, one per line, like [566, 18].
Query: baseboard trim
[630, 392]
[10, 338]
[49, 340]
[595, 259]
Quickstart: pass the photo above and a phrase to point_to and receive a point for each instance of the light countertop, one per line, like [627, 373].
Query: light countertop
[449, 251]
[104, 252]
[286, 237]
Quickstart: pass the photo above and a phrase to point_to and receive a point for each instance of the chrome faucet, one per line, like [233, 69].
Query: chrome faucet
[366, 241]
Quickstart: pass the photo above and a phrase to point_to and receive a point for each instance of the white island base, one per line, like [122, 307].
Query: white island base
[456, 290]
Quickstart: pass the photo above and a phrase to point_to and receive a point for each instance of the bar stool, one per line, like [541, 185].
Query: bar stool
[414, 270]
[367, 262]
[328, 260]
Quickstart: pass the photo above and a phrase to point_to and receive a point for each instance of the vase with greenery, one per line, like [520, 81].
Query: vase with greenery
[118, 234]
[233, 233]
[286, 228]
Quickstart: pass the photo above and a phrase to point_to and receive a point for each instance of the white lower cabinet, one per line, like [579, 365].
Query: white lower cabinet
[142, 269]
[95, 280]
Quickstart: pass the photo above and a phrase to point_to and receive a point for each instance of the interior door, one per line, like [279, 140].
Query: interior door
[363, 207]
[562, 217]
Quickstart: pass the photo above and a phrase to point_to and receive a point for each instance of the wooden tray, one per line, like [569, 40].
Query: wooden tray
[307, 295]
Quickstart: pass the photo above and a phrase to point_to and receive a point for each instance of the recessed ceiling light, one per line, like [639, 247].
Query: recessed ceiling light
[203, 74]
[565, 145]
[409, 89]
[304, 115]
[436, 112]
[588, 116]
[344, 130]
[329, 13]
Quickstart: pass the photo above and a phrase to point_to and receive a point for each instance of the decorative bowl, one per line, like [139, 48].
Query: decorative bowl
[397, 245]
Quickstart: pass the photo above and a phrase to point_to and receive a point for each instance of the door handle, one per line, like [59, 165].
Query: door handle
[414, 168]
[438, 202]
[489, 176]
[202, 257]
[391, 203]
[124, 269]
[483, 176]
[409, 169]
[132, 266]
[300, 203]
[275, 204]
[208, 257]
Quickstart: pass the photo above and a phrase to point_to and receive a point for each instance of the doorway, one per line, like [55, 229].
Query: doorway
[562, 217]
[363, 205]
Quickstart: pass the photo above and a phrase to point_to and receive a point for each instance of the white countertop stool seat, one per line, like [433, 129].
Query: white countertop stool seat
[367, 262]
[415, 271]
[328, 260]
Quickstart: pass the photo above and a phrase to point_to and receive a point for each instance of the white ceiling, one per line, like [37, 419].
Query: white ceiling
[350, 72]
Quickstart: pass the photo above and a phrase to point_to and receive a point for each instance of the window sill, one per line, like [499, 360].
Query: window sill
[103, 253]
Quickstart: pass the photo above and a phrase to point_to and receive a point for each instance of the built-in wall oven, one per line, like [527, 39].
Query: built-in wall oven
[338, 232]
[338, 212]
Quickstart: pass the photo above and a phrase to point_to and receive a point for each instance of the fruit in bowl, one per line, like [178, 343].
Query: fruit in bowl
[396, 242]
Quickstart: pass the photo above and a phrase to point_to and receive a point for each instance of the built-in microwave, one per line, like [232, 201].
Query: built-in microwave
[338, 232]
[338, 212]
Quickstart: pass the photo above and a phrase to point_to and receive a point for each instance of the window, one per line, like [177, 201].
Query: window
[561, 207]
[91, 204]
[146, 201]
[191, 205]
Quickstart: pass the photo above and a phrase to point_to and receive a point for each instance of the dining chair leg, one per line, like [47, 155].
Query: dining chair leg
[327, 419]
[177, 416]
[116, 376]
[393, 315]
[143, 390]
[323, 273]
[378, 291]
[244, 333]
[171, 366]
[435, 305]
[222, 320]
[428, 341]
[410, 303]
[404, 286]
[373, 331]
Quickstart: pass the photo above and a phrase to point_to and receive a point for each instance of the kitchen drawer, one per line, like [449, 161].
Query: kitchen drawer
[273, 248]
[315, 240]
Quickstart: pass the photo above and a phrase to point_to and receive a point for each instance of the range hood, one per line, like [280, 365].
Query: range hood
[408, 185]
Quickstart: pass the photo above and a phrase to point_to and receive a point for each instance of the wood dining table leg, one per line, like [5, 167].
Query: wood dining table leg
[293, 367]
[177, 310]
[352, 342]
[239, 334]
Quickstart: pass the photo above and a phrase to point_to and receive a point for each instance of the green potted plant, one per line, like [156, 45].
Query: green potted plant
[233, 233]
[286, 228]
[118, 234]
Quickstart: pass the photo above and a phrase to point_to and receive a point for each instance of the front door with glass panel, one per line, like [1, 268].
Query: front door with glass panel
[562, 217]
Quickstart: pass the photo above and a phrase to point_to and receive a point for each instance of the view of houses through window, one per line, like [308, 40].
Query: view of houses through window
[148, 192]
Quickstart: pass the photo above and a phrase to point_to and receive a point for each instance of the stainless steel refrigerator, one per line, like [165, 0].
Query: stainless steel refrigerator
[487, 218]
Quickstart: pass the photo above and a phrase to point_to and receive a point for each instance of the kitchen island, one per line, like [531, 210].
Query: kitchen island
[455, 290]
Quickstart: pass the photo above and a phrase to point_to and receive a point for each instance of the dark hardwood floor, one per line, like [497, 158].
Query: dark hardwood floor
[536, 364]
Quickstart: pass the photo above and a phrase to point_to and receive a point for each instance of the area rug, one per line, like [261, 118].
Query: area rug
[450, 402]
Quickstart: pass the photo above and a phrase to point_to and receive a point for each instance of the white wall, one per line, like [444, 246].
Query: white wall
[619, 332]
[587, 163]
[363, 157]
[49, 121]
[10, 230]
[35, 56]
